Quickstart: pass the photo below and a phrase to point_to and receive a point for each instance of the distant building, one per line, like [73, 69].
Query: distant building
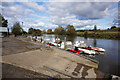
[3, 31]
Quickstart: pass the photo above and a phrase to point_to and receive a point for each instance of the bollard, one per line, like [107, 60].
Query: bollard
[57, 41]
[65, 43]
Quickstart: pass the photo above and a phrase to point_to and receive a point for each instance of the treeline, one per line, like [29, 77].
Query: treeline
[18, 30]
[112, 28]
[69, 30]
[111, 33]
[34, 31]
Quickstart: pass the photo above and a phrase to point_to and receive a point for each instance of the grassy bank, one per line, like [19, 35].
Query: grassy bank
[105, 35]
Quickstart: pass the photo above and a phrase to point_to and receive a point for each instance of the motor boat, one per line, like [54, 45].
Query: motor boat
[46, 40]
[81, 51]
[74, 51]
[94, 48]
[91, 52]
[61, 44]
[54, 43]
[68, 43]
[57, 40]
[82, 44]
[39, 39]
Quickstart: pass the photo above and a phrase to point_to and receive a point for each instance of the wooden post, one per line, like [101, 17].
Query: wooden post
[65, 43]
[57, 41]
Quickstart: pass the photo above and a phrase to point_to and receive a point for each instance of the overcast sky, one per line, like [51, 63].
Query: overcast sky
[49, 15]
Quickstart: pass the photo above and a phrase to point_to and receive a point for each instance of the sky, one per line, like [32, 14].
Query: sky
[51, 14]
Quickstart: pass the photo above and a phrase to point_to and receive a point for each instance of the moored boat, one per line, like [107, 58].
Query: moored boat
[81, 51]
[74, 51]
[94, 48]
[82, 44]
[91, 52]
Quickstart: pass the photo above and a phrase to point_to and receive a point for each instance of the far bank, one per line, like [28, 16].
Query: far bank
[104, 35]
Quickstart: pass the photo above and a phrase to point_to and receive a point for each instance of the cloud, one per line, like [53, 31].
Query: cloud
[83, 0]
[34, 6]
[52, 14]
[15, 12]
[59, 0]
[82, 10]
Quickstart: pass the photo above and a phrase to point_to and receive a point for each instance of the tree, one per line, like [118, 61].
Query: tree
[113, 27]
[24, 32]
[30, 31]
[37, 32]
[70, 30]
[85, 34]
[34, 31]
[49, 31]
[17, 30]
[60, 30]
[95, 28]
[44, 32]
[3, 22]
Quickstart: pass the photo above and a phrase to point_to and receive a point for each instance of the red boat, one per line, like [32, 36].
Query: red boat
[54, 44]
[95, 49]
[72, 50]
[90, 48]
[50, 44]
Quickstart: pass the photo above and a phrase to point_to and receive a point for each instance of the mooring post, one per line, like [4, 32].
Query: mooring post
[65, 43]
[57, 41]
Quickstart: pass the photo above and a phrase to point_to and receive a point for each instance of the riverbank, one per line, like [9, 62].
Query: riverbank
[104, 35]
[46, 61]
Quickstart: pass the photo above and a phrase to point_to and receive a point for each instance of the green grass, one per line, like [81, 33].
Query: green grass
[98, 34]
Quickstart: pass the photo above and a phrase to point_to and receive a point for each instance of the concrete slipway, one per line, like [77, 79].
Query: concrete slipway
[54, 63]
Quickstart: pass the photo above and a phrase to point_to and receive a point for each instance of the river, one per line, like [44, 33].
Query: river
[108, 62]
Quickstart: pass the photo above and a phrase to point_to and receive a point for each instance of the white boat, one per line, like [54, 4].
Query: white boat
[55, 44]
[81, 51]
[94, 48]
[39, 39]
[87, 51]
[57, 40]
[46, 40]
[69, 43]
[80, 44]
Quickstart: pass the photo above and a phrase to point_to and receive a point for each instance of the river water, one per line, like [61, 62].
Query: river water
[108, 62]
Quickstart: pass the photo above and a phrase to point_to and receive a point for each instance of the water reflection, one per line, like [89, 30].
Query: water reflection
[95, 42]
[85, 39]
[71, 38]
